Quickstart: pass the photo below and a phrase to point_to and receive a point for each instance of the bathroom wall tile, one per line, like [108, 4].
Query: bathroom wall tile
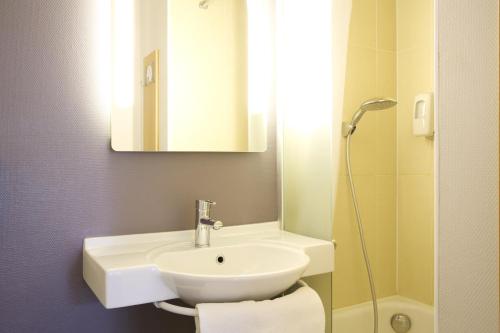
[363, 23]
[349, 279]
[415, 155]
[415, 76]
[415, 23]
[371, 72]
[361, 78]
[384, 149]
[385, 143]
[415, 69]
[386, 77]
[384, 263]
[416, 237]
[386, 121]
[361, 85]
[364, 147]
[366, 192]
[386, 25]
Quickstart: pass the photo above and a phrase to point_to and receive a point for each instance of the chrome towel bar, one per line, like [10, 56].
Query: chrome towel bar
[192, 312]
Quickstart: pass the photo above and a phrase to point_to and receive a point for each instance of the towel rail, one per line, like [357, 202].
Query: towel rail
[180, 310]
[191, 312]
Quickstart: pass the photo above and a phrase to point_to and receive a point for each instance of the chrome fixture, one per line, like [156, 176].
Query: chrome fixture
[401, 323]
[204, 223]
[375, 104]
[348, 129]
[203, 4]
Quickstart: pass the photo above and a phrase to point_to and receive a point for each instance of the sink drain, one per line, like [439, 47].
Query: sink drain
[220, 259]
[401, 323]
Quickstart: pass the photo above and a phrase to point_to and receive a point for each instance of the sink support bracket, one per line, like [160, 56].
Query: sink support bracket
[180, 310]
[190, 312]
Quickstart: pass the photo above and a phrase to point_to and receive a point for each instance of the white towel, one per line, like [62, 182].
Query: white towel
[300, 312]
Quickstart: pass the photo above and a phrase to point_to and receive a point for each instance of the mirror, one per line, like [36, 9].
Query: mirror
[192, 75]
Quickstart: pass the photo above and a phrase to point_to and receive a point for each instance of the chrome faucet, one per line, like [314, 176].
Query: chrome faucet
[204, 223]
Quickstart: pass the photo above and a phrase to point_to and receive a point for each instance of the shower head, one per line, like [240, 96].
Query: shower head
[378, 104]
[375, 104]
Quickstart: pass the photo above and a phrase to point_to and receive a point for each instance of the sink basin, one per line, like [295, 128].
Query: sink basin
[230, 273]
[259, 261]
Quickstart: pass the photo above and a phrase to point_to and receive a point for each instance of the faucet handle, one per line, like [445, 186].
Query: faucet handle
[218, 225]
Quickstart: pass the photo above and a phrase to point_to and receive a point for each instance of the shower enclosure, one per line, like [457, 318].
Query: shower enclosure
[379, 48]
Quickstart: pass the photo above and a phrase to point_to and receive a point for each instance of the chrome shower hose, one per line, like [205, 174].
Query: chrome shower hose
[362, 235]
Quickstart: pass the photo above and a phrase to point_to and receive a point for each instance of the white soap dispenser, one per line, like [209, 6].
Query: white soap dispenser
[423, 115]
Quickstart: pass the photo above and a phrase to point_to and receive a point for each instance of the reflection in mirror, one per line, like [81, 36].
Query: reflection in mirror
[191, 75]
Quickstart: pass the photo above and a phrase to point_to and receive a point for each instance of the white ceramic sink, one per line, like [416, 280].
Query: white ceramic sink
[260, 261]
[230, 273]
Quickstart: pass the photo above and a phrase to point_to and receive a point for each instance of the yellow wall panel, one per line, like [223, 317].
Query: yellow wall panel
[150, 108]
[390, 54]
[416, 237]
[363, 24]
[415, 154]
[386, 25]
[371, 71]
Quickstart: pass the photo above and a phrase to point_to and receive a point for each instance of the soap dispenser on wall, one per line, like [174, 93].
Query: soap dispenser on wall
[423, 115]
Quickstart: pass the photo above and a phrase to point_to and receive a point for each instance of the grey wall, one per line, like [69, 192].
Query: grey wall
[60, 182]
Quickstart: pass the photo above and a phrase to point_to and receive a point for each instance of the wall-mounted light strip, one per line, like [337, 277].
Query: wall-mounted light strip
[305, 62]
[260, 14]
[123, 53]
